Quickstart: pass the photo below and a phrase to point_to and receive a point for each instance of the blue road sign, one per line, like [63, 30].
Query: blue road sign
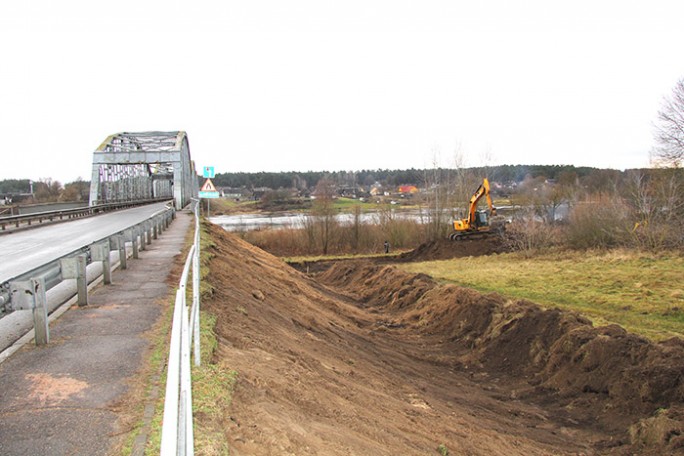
[208, 172]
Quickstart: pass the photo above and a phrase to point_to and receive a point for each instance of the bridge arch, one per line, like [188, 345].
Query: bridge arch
[143, 166]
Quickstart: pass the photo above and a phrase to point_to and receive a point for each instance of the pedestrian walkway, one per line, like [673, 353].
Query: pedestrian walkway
[62, 399]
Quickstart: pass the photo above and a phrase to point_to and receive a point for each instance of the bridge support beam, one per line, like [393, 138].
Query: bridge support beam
[75, 268]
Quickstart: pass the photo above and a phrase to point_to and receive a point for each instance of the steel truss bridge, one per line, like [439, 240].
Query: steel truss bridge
[143, 166]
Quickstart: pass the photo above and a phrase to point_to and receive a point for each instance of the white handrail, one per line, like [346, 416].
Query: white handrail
[177, 427]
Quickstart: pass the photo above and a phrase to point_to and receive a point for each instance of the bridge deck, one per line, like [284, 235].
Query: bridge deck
[63, 398]
[27, 250]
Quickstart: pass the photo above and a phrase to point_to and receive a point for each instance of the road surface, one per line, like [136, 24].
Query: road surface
[26, 250]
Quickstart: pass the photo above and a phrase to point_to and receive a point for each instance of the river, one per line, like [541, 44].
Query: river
[248, 222]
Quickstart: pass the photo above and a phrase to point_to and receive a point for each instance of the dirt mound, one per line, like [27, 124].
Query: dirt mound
[601, 373]
[444, 249]
[377, 286]
[378, 361]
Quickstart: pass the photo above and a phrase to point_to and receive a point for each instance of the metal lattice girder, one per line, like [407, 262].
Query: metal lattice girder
[140, 166]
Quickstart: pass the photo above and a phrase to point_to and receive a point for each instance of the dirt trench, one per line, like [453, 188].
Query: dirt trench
[366, 359]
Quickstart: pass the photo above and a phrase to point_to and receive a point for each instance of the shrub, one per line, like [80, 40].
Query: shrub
[600, 221]
[528, 233]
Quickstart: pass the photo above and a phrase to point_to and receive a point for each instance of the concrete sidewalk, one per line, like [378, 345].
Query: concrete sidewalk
[61, 399]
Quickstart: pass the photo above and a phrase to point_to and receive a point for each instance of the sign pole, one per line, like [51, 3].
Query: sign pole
[208, 190]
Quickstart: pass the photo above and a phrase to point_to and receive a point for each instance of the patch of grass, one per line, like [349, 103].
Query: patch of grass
[212, 384]
[221, 206]
[642, 292]
[212, 387]
[206, 254]
[346, 204]
[443, 450]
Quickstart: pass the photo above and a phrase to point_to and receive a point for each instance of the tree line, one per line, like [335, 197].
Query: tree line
[45, 190]
[392, 177]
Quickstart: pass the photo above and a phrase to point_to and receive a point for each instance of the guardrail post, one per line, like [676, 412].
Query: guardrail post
[154, 230]
[121, 246]
[75, 268]
[100, 252]
[140, 230]
[132, 236]
[30, 294]
[148, 229]
[40, 312]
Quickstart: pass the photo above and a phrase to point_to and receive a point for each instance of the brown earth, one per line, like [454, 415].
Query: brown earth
[445, 249]
[364, 359]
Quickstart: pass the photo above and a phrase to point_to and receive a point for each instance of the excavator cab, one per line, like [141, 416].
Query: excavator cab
[481, 219]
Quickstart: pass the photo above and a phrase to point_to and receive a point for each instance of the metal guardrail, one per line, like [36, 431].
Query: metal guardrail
[177, 425]
[28, 290]
[50, 216]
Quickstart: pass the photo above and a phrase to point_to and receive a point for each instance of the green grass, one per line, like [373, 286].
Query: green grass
[642, 292]
[212, 388]
[347, 204]
[227, 205]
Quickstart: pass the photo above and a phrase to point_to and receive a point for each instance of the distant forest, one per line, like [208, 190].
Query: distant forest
[418, 177]
[15, 186]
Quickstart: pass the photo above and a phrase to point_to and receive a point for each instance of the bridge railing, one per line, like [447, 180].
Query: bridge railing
[28, 290]
[17, 221]
[177, 425]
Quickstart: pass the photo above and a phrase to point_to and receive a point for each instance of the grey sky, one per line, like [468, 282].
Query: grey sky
[314, 85]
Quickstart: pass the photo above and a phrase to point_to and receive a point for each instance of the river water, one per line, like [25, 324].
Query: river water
[248, 222]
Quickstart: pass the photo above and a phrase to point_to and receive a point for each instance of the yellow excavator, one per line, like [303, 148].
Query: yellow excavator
[480, 223]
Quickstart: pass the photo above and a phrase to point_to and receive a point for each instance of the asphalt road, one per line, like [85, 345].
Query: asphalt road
[26, 250]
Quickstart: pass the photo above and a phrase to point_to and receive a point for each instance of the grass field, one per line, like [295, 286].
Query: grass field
[642, 292]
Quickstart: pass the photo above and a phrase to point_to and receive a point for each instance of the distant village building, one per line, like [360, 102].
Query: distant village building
[233, 193]
[408, 189]
[347, 192]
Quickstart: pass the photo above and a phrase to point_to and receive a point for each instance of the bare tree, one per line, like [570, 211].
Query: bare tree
[76, 191]
[436, 195]
[669, 129]
[323, 211]
[47, 190]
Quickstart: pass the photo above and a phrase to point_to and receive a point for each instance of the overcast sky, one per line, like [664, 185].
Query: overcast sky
[345, 85]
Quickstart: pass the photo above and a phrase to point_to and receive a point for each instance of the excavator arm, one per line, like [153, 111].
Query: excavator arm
[482, 190]
[472, 222]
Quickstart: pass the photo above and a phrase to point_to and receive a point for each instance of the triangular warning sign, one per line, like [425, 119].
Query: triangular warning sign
[208, 186]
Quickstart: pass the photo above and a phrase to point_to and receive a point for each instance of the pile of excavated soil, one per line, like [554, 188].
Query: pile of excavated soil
[602, 374]
[367, 359]
[444, 249]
